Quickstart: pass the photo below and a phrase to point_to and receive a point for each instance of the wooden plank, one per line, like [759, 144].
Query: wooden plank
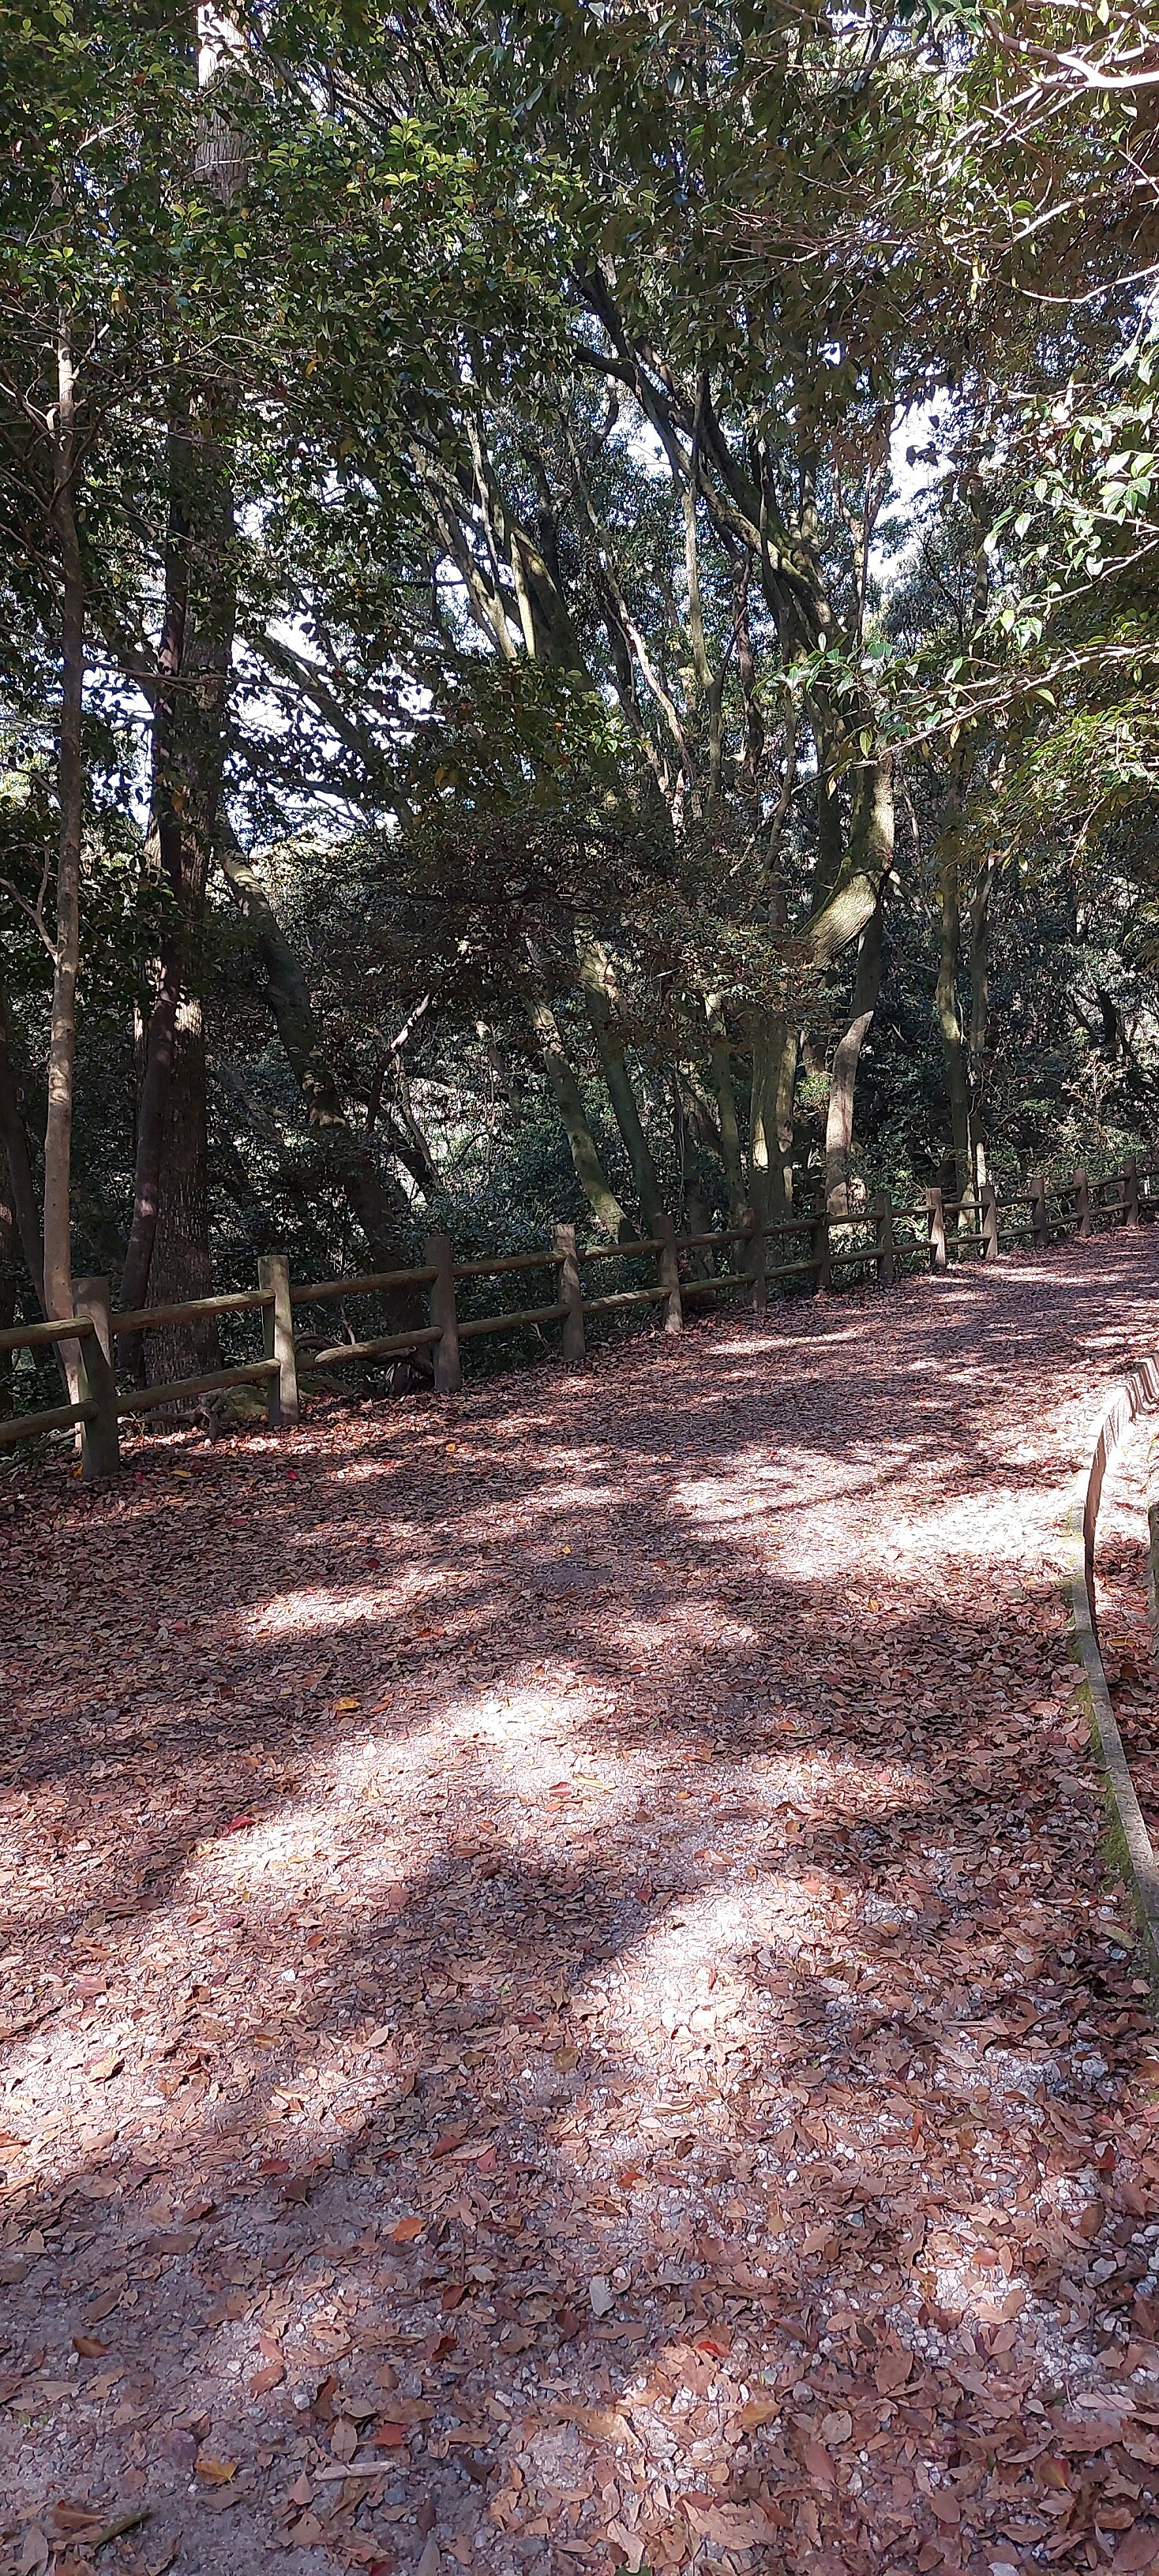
[143, 1398]
[386, 1346]
[709, 1287]
[146, 1319]
[625, 1297]
[727, 1234]
[477, 1324]
[510, 1261]
[29, 1426]
[792, 1270]
[32, 1337]
[316, 1292]
[620, 1251]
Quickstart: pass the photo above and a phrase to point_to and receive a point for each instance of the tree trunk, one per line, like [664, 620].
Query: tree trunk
[843, 1077]
[57, 1224]
[182, 1266]
[21, 1190]
[979, 1053]
[726, 1108]
[949, 1022]
[775, 1050]
[565, 1090]
[380, 1208]
[201, 598]
[595, 977]
[165, 866]
[8, 1283]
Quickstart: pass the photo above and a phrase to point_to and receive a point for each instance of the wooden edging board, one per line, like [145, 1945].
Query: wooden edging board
[1134, 1850]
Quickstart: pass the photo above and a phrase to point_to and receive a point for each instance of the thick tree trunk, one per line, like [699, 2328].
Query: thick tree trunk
[167, 867]
[190, 747]
[568, 1098]
[722, 1084]
[173, 1105]
[595, 979]
[775, 1051]
[380, 1207]
[57, 1223]
[182, 1266]
[843, 1076]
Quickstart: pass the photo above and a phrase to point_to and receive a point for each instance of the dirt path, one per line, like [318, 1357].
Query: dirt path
[560, 2007]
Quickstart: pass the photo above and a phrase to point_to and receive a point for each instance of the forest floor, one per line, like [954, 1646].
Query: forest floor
[560, 2001]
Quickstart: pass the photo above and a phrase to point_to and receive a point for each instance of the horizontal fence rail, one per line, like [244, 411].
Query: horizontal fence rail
[878, 1240]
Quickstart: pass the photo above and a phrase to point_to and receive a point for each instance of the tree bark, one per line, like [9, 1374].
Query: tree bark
[722, 1084]
[843, 1077]
[166, 866]
[381, 1211]
[8, 1284]
[182, 1265]
[21, 1192]
[979, 1051]
[946, 1006]
[565, 1091]
[57, 1223]
[188, 774]
[595, 977]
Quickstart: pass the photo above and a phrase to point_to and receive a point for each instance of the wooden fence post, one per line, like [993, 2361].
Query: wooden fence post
[668, 1275]
[441, 1259]
[883, 1237]
[1082, 1204]
[822, 1273]
[755, 1264]
[936, 1218]
[571, 1295]
[1131, 1191]
[100, 1445]
[1039, 1229]
[991, 1242]
[282, 1404]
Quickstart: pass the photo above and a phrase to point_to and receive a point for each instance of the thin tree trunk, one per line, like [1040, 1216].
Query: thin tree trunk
[57, 1224]
[594, 979]
[949, 1022]
[843, 1077]
[14, 1140]
[565, 1091]
[722, 1084]
[8, 1283]
[979, 952]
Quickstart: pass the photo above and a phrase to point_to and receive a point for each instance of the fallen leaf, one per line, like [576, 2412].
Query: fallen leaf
[406, 2230]
[216, 2473]
[601, 2295]
[732, 2526]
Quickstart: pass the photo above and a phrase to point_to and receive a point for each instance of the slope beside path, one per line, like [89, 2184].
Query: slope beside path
[562, 2004]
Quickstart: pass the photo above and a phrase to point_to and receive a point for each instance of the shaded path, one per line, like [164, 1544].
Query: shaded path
[560, 2004]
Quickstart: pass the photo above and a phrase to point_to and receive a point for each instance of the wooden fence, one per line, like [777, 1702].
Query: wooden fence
[881, 1243]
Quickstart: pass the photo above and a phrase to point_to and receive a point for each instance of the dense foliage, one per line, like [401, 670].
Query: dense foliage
[579, 623]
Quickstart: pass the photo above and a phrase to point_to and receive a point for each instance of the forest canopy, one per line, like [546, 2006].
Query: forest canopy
[580, 621]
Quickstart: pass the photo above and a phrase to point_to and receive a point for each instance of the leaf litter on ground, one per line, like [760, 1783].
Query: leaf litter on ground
[562, 2006]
